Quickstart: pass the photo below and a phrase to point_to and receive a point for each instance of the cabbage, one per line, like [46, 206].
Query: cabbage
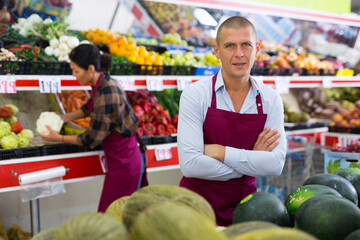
[14, 109]
[11, 120]
[27, 133]
[23, 141]
[8, 142]
[5, 128]
[51, 119]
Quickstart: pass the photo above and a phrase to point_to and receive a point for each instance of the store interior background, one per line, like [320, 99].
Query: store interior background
[84, 196]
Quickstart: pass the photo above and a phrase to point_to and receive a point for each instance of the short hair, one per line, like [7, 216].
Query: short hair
[234, 22]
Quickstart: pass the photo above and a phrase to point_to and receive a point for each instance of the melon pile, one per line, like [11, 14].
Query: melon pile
[325, 207]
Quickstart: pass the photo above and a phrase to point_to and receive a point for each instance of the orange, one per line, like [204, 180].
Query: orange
[122, 40]
[90, 36]
[140, 60]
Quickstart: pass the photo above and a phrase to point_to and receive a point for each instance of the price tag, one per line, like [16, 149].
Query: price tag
[50, 84]
[327, 82]
[154, 83]
[163, 153]
[7, 84]
[282, 85]
[182, 82]
[127, 83]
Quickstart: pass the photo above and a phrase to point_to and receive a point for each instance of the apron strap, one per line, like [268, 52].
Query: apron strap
[259, 104]
[213, 98]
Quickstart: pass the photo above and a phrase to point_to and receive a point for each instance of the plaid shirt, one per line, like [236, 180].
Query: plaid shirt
[111, 113]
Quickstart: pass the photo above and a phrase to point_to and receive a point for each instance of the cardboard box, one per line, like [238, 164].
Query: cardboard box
[334, 161]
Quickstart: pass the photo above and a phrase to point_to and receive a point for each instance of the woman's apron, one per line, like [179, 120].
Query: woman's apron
[126, 170]
[234, 130]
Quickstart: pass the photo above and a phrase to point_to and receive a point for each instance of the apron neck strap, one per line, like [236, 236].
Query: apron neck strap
[213, 99]
[91, 103]
[259, 104]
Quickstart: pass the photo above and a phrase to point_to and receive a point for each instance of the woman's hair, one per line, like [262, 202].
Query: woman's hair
[4, 3]
[85, 55]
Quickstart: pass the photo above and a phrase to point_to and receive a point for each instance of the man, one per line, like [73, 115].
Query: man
[231, 128]
[6, 17]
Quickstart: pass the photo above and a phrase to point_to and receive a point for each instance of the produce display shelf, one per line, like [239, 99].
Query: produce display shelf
[329, 139]
[129, 83]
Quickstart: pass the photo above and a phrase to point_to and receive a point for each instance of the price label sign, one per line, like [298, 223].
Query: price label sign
[282, 85]
[7, 84]
[327, 82]
[163, 153]
[154, 83]
[182, 82]
[127, 83]
[50, 84]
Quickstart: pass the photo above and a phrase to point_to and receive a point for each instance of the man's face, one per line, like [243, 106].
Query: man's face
[237, 51]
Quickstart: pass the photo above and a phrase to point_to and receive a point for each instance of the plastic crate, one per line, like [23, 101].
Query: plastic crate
[179, 70]
[44, 68]
[6, 154]
[12, 67]
[125, 69]
[161, 139]
[66, 69]
[207, 71]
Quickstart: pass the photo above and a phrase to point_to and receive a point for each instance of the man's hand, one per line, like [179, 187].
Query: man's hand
[267, 140]
[216, 151]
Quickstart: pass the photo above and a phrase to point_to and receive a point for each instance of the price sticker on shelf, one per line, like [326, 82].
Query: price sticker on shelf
[127, 83]
[163, 153]
[282, 85]
[182, 82]
[50, 84]
[327, 82]
[7, 84]
[154, 83]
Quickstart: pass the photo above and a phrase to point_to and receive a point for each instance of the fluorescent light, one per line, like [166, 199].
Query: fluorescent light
[204, 17]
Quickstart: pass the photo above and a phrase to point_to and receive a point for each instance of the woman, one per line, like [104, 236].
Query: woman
[113, 124]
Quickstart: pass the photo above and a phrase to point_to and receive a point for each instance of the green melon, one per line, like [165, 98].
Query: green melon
[282, 233]
[328, 217]
[261, 206]
[116, 207]
[301, 194]
[348, 173]
[353, 176]
[158, 194]
[47, 234]
[173, 221]
[355, 181]
[92, 226]
[244, 227]
[340, 184]
[354, 235]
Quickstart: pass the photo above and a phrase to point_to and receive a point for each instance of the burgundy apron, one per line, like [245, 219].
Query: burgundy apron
[234, 130]
[125, 167]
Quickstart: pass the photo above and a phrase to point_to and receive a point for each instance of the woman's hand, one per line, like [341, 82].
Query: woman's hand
[267, 140]
[216, 151]
[53, 136]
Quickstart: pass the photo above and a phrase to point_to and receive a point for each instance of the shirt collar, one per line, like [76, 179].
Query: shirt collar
[220, 84]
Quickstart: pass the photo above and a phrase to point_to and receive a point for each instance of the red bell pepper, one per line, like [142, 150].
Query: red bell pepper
[161, 119]
[16, 127]
[149, 129]
[170, 129]
[5, 112]
[145, 106]
[148, 117]
[138, 110]
[160, 130]
[158, 108]
[175, 120]
[140, 131]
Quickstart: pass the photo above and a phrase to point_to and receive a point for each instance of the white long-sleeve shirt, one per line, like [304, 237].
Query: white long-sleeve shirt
[194, 103]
